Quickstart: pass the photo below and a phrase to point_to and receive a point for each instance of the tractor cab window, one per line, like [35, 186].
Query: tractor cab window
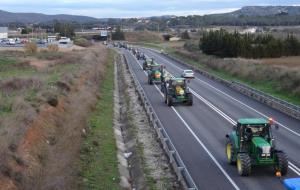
[155, 67]
[256, 130]
[178, 84]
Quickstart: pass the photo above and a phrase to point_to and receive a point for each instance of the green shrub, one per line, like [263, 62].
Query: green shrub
[82, 42]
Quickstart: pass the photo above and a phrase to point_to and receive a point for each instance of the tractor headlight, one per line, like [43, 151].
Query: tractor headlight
[265, 151]
[181, 92]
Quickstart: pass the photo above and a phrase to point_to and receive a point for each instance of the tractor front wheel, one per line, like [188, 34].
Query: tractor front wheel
[243, 163]
[166, 97]
[169, 101]
[190, 99]
[230, 153]
[282, 163]
[151, 81]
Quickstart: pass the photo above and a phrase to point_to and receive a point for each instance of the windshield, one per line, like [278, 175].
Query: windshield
[256, 130]
[156, 67]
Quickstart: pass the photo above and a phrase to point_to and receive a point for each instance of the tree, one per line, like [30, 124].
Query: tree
[185, 35]
[64, 29]
[24, 31]
[118, 34]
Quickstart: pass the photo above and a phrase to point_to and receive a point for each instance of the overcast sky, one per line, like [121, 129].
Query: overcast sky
[133, 8]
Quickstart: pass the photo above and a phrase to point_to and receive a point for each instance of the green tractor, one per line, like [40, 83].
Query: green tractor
[251, 144]
[147, 63]
[154, 74]
[176, 91]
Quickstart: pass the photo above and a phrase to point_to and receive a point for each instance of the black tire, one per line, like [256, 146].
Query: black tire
[230, 153]
[243, 164]
[190, 99]
[282, 163]
[169, 101]
[150, 81]
[165, 97]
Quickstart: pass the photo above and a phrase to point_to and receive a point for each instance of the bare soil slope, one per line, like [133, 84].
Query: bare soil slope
[43, 111]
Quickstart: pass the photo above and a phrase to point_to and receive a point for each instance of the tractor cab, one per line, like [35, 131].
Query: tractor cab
[154, 73]
[177, 91]
[247, 129]
[147, 63]
[251, 143]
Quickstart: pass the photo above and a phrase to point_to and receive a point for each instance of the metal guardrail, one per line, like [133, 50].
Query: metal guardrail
[176, 162]
[276, 103]
[287, 104]
[273, 102]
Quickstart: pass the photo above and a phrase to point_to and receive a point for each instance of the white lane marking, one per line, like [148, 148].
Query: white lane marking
[207, 151]
[230, 120]
[199, 141]
[288, 129]
[202, 145]
[294, 168]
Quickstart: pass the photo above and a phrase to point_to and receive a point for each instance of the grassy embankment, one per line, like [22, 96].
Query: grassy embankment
[19, 79]
[99, 159]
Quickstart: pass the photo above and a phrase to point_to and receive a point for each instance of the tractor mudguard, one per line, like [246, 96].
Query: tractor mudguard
[233, 139]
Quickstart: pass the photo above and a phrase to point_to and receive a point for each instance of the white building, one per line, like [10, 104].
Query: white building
[51, 39]
[3, 32]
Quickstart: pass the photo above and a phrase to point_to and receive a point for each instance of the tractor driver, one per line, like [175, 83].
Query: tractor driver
[256, 130]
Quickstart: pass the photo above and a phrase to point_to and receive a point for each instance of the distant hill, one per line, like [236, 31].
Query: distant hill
[249, 15]
[267, 11]
[8, 17]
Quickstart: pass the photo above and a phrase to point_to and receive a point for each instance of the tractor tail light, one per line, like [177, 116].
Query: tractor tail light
[271, 121]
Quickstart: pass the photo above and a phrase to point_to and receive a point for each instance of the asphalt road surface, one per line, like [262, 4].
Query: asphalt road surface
[198, 131]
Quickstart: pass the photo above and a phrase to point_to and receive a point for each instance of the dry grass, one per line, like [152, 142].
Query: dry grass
[40, 144]
[293, 62]
[283, 76]
[53, 48]
[143, 36]
[30, 48]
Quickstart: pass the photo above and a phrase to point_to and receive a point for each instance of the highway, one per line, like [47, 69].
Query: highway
[198, 132]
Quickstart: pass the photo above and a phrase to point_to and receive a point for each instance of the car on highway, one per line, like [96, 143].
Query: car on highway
[188, 74]
[163, 52]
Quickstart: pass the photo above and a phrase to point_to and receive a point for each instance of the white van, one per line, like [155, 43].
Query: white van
[11, 41]
[64, 40]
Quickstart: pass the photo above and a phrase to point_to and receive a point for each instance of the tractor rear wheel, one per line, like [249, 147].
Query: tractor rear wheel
[230, 153]
[243, 163]
[282, 163]
[190, 99]
[169, 101]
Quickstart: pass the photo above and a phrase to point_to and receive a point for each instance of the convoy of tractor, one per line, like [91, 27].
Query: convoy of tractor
[251, 143]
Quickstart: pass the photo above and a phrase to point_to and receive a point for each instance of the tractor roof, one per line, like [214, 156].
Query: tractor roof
[155, 65]
[252, 121]
[178, 79]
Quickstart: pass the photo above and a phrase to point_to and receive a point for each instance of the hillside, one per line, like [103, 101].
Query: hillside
[8, 17]
[267, 11]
